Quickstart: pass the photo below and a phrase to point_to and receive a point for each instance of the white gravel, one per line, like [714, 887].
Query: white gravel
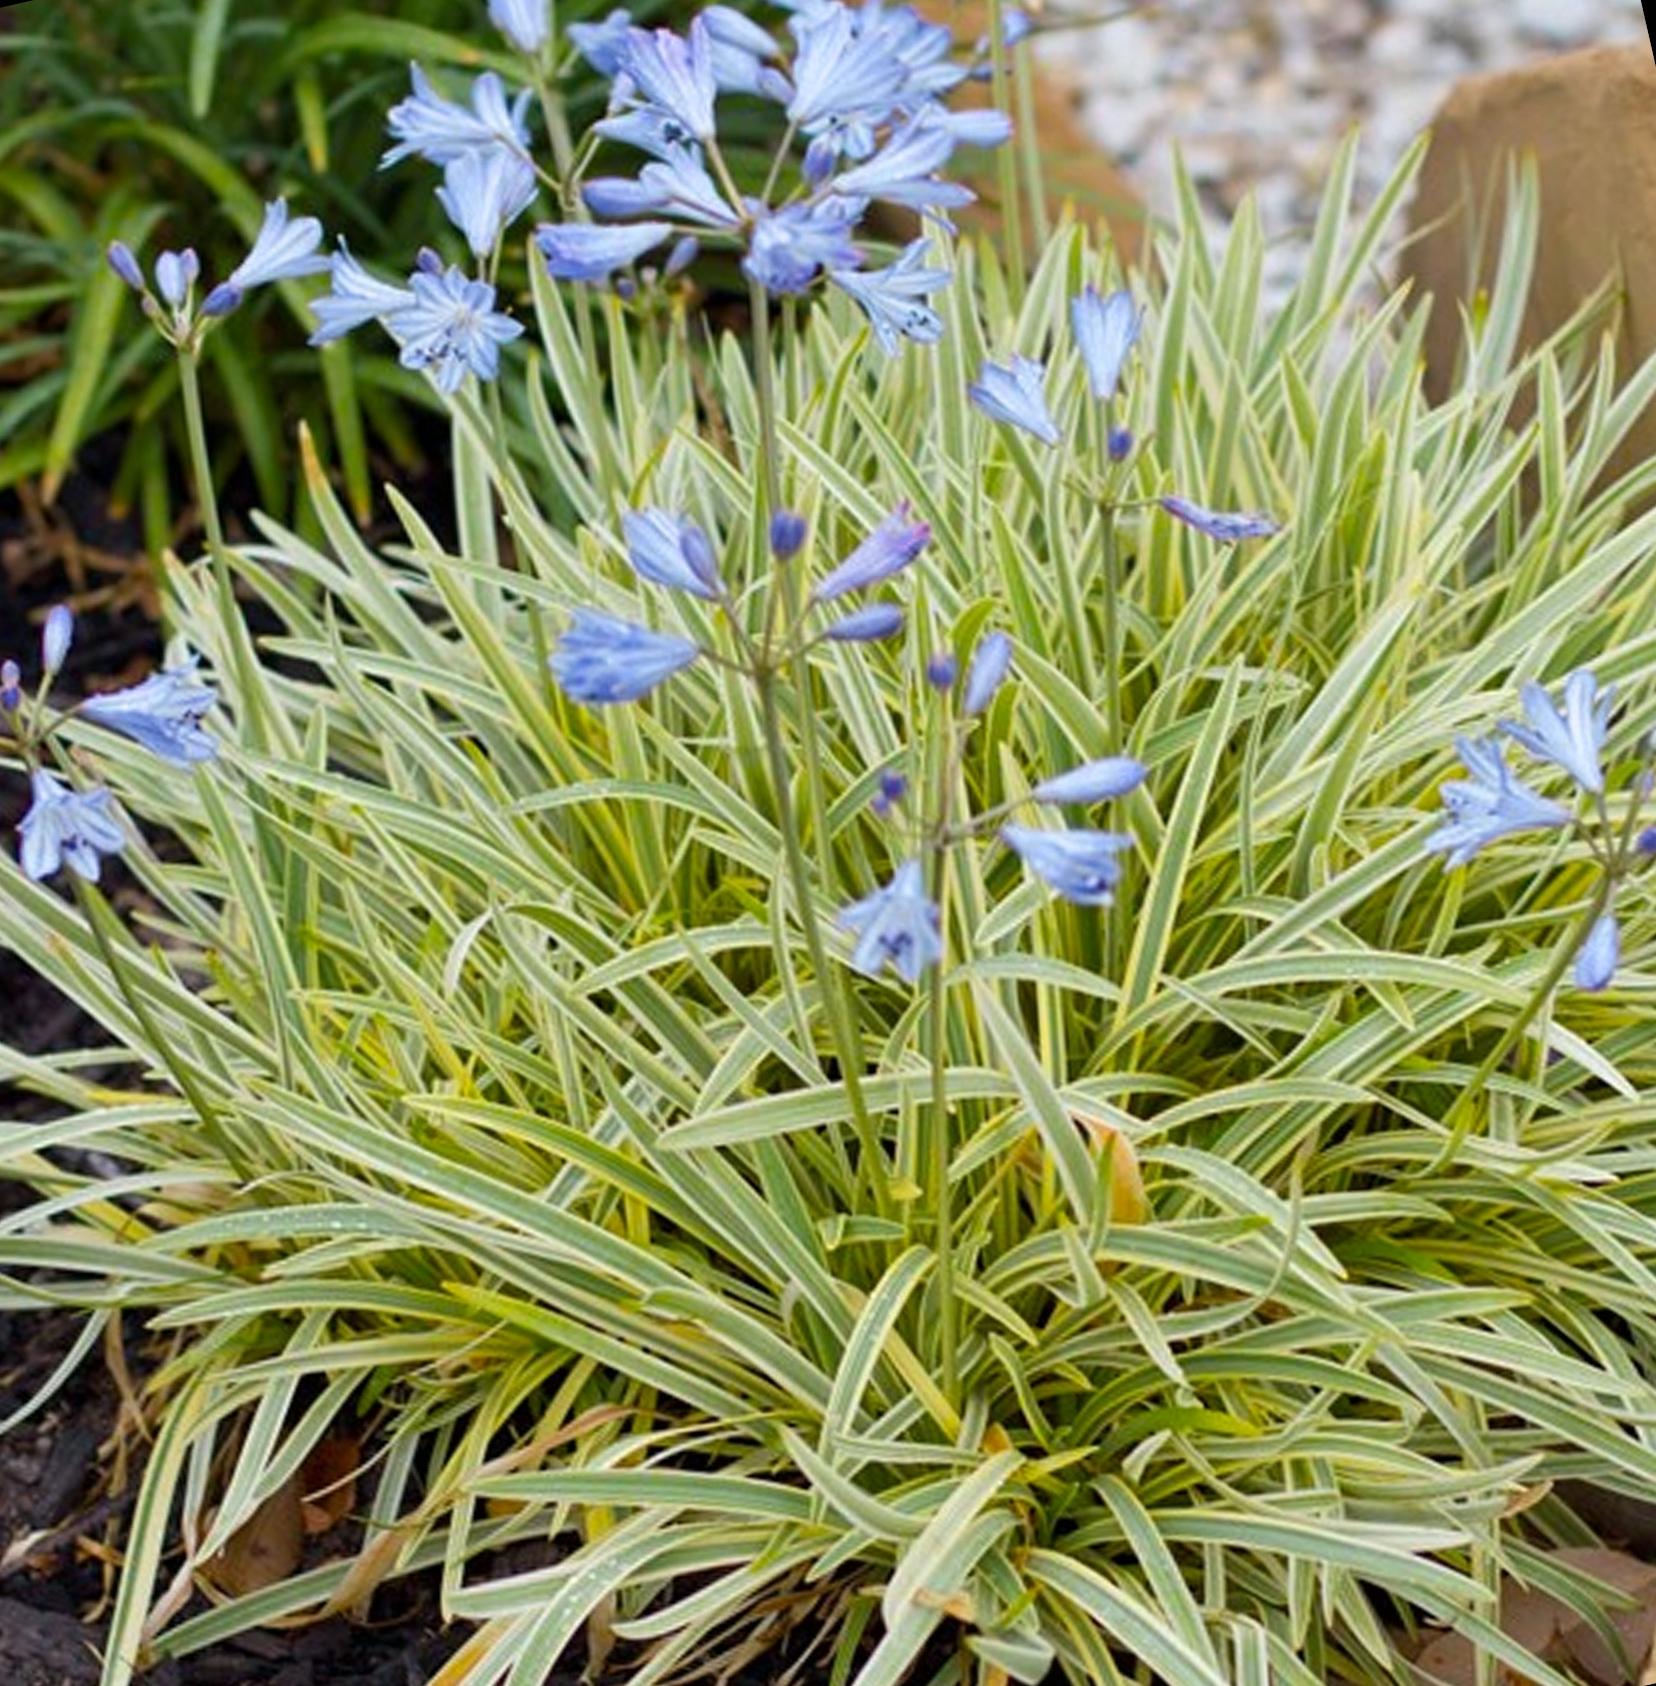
[1257, 93]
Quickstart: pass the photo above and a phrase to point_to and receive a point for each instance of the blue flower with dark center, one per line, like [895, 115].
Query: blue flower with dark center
[65, 827]
[1015, 393]
[1595, 966]
[867, 625]
[1229, 527]
[991, 663]
[1094, 781]
[439, 130]
[674, 73]
[163, 713]
[1493, 803]
[484, 193]
[452, 328]
[889, 549]
[1081, 866]
[1106, 330]
[1571, 737]
[357, 297]
[284, 250]
[672, 551]
[789, 248]
[603, 44]
[898, 926]
[585, 251]
[527, 24]
[894, 298]
[602, 660]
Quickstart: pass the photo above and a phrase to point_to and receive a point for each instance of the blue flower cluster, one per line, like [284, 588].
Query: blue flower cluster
[862, 89]
[1568, 733]
[67, 825]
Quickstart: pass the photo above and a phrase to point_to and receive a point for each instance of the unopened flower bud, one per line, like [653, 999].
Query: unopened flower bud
[893, 788]
[683, 254]
[787, 534]
[1120, 444]
[222, 300]
[56, 637]
[11, 687]
[942, 670]
[429, 261]
[125, 265]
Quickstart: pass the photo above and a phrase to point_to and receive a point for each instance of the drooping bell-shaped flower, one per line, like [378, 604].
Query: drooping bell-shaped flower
[897, 926]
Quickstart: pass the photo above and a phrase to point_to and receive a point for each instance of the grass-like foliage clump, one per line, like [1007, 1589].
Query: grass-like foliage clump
[1204, 1287]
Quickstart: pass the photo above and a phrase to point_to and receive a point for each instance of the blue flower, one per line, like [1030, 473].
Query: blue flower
[686, 249]
[890, 548]
[484, 193]
[991, 663]
[867, 625]
[604, 660]
[175, 274]
[921, 48]
[283, 251]
[894, 298]
[357, 297]
[1081, 866]
[585, 251]
[1595, 966]
[163, 713]
[674, 74]
[603, 45]
[1493, 803]
[903, 171]
[740, 48]
[897, 926]
[1106, 329]
[439, 130]
[56, 636]
[1015, 393]
[527, 24]
[671, 550]
[840, 74]
[1094, 781]
[789, 248]
[65, 827]
[677, 182]
[1571, 737]
[452, 327]
[125, 265]
[1228, 527]
[983, 126]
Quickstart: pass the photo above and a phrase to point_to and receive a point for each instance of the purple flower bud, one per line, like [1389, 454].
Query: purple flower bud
[11, 687]
[1647, 841]
[125, 265]
[626, 288]
[56, 637]
[787, 534]
[1093, 781]
[222, 300]
[867, 625]
[893, 788]
[1120, 444]
[942, 670]
[429, 262]
[1595, 966]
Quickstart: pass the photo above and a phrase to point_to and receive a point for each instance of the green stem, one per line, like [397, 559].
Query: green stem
[1460, 1114]
[1011, 206]
[829, 981]
[201, 462]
